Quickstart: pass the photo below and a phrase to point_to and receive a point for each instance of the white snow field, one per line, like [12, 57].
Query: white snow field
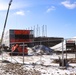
[42, 63]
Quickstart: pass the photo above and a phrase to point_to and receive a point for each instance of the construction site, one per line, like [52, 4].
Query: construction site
[24, 53]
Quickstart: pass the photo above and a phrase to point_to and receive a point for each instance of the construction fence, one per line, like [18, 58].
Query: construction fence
[64, 50]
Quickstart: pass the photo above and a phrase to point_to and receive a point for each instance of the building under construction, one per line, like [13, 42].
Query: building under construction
[14, 36]
[47, 41]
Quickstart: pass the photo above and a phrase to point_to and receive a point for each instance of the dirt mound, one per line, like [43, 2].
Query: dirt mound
[17, 69]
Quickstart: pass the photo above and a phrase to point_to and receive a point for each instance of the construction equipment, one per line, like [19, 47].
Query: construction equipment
[5, 22]
[18, 50]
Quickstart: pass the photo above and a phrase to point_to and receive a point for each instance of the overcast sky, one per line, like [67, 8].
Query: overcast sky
[58, 15]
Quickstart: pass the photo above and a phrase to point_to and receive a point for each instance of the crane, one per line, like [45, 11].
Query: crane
[5, 22]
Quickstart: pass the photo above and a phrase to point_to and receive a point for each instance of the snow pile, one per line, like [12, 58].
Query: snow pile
[59, 46]
[41, 49]
[30, 51]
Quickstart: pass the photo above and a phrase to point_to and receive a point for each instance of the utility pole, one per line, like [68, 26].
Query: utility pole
[5, 22]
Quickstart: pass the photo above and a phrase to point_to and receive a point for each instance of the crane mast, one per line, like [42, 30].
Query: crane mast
[5, 22]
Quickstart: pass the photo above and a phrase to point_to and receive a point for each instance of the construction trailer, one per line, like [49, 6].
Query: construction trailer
[20, 37]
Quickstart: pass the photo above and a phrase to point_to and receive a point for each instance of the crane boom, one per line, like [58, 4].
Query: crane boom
[5, 21]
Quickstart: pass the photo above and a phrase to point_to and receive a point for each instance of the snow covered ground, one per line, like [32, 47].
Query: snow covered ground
[42, 63]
